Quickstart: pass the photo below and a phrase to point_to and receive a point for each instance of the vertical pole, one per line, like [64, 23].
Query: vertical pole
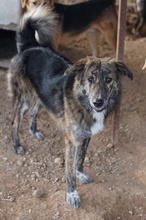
[119, 56]
[121, 29]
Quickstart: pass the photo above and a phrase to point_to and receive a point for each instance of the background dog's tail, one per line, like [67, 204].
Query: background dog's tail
[42, 20]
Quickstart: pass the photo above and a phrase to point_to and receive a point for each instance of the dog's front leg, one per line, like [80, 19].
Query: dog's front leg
[81, 152]
[72, 195]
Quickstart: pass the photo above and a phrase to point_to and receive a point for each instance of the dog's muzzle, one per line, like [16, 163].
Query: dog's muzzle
[99, 105]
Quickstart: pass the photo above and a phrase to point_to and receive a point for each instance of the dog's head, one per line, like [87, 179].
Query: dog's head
[98, 82]
[29, 5]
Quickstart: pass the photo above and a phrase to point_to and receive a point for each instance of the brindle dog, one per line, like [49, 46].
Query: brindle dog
[78, 96]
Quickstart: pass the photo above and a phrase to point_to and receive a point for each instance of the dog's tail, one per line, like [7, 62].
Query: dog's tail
[42, 20]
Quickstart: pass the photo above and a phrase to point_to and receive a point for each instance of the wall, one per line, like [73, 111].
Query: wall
[10, 11]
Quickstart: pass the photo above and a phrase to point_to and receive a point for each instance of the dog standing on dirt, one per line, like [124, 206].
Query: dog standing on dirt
[78, 96]
[91, 16]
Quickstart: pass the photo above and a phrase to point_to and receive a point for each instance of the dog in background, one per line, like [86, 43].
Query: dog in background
[78, 96]
[91, 17]
[28, 5]
[140, 24]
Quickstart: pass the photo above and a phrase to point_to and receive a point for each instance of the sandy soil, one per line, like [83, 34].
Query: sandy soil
[32, 187]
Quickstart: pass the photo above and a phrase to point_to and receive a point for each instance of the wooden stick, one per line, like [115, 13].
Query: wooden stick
[119, 56]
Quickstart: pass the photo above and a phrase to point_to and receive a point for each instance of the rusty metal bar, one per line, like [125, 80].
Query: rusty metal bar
[121, 29]
[119, 56]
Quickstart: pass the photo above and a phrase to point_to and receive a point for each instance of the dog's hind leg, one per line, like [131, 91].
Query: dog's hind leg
[92, 36]
[33, 123]
[20, 109]
[81, 152]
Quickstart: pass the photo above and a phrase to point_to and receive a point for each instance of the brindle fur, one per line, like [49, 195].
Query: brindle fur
[78, 96]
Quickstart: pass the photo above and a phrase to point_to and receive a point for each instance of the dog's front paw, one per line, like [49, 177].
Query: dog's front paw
[19, 150]
[37, 134]
[73, 199]
[83, 178]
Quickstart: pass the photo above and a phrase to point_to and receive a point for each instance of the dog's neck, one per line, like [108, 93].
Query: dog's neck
[83, 130]
[98, 124]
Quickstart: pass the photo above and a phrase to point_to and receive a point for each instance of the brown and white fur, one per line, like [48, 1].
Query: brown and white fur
[90, 17]
[78, 96]
[28, 5]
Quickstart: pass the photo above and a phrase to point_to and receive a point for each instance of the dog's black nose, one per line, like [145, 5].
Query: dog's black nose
[98, 103]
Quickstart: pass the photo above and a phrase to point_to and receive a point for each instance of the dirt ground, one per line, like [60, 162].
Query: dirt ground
[32, 187]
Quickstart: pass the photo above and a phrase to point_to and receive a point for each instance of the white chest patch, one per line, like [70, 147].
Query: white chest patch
[98, 125]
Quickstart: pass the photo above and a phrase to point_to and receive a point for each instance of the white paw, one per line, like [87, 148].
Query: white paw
[83, 178]
[73, 199]
[37, 134]
[19, 150]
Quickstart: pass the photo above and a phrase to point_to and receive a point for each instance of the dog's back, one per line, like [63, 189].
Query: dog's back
[43, 68]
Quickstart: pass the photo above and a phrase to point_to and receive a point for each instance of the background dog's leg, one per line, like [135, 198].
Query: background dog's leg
[72, 195]
[81, 152]
[33, 123]
[92, 36]
[20, 110]
[107, 24]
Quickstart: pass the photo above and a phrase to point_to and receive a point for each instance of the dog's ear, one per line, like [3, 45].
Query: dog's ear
[23, 3]
[123, 69]
[77, 68]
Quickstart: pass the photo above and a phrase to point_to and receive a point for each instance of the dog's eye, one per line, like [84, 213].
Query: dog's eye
[108, 80]
[91, 79]
[34, 3]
